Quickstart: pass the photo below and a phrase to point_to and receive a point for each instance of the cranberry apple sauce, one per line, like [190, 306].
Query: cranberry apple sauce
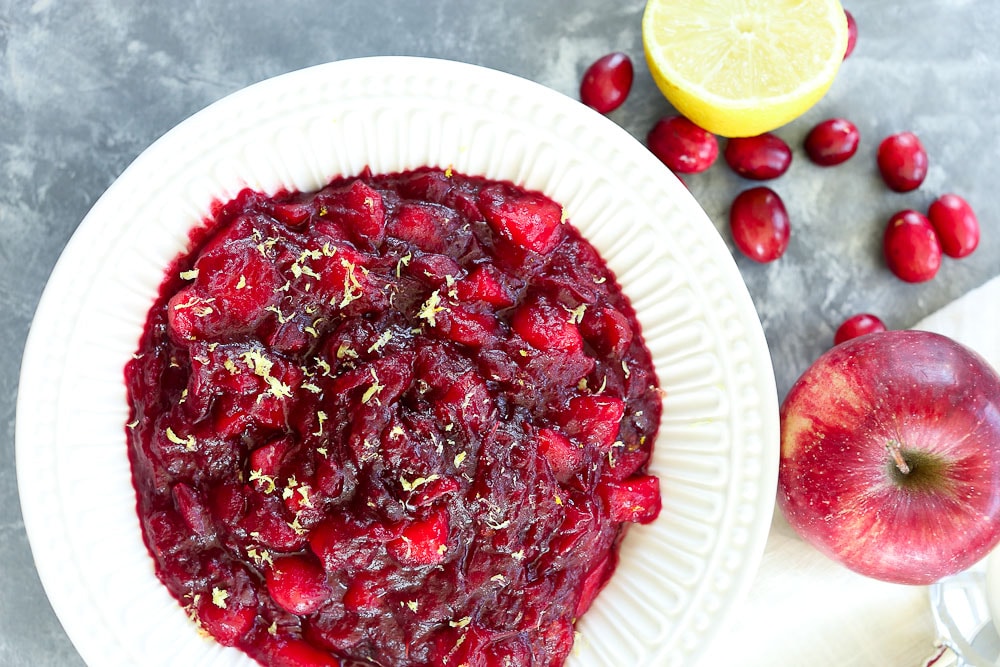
[400, 421]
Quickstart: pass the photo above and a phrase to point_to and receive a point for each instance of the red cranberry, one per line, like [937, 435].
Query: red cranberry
[682, 145]
[902, 161]
[607, 82]
[831, 142]
[297, 584]
[858, 325]
[759, 223]
[852, 34]
[956, 225]
[758, 158]
[911, 247]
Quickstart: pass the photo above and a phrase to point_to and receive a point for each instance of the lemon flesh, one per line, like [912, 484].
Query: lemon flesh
[739, 68]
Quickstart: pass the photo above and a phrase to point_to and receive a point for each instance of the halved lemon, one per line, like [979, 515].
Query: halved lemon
[739, 68]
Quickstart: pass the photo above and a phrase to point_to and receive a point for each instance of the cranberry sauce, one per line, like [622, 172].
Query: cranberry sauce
[403, 420]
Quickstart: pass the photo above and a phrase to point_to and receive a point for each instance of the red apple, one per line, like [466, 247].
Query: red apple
[890, 456]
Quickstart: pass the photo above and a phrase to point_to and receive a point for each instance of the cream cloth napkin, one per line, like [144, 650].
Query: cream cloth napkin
[804, 609]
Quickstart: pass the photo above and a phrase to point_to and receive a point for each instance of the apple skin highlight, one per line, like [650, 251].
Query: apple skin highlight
[913, 394]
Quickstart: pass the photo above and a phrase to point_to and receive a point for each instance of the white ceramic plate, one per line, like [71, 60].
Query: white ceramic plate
[717, 451]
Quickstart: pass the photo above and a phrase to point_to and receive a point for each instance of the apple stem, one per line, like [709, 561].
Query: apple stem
[896, 451]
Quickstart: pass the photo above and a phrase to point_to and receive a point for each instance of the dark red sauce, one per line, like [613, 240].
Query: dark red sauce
[403, 420]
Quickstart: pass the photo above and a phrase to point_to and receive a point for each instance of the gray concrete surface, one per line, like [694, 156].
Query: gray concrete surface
[85, 86]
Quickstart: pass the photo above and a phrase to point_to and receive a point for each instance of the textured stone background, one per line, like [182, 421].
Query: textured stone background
[86, 86]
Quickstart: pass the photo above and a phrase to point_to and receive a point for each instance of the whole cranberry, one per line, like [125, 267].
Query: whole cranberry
[902, 161]
[911, 246]
[956, 225]
[852, 34]
[759, 224]
[758, 158]
[682, 145]
[858, 325]
[832, 142]
[607, 82]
